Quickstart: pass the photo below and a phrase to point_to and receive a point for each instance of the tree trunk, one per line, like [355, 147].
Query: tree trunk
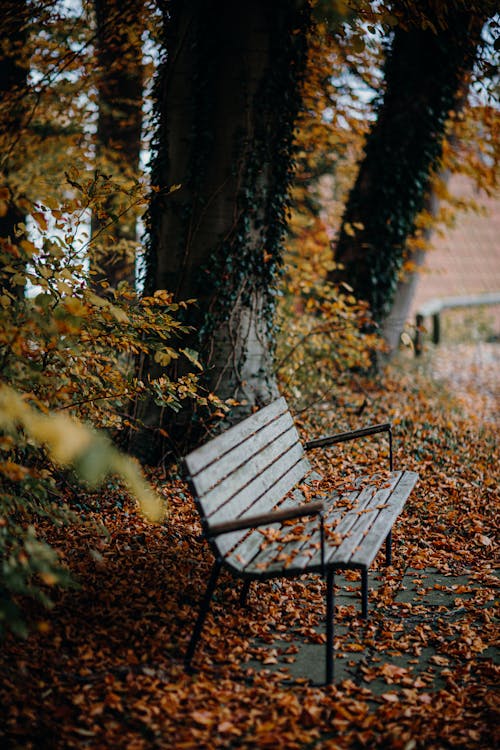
[394, 323]
[118, 139]
[423, 76]
[227, 97]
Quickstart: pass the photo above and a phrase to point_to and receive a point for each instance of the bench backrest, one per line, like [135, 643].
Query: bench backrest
[247, 469]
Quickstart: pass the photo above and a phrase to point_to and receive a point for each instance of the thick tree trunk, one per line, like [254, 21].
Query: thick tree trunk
[118, 139]
[423, 76]
[228, 98]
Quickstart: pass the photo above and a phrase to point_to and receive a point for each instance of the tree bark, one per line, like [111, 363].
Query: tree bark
[118, 138]
[394, 323]
[424, 72]
[227, 98]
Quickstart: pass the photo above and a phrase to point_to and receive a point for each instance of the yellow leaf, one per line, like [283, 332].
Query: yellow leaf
[48, 578]
[192, 356]
[406, 340]
[40, 220]
[18, 279]
[28, 247]
[64, 288]
[163, 358]
[119, 314]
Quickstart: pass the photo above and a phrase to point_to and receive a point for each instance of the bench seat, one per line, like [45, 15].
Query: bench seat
[361, 521]
[247, 487]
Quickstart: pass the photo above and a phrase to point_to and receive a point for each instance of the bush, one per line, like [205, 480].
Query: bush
[69, 356]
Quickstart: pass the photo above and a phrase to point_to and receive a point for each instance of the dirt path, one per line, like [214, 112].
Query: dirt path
[472, 372]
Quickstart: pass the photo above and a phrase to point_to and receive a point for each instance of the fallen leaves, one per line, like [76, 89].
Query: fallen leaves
[103, 670]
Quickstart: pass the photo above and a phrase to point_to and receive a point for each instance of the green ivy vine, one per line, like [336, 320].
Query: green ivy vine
[424, 72]
[238, 265]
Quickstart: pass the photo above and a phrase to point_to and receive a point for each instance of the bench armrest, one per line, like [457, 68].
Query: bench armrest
[249, 522]
[343, 437]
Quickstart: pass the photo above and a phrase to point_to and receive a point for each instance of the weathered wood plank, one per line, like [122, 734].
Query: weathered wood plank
[355, 525]
[237, 468]
[366, 553]
[262, 496]
[255, 558]
[275, 437]
[301, 555]
[261, 520]
[245, 552]
[295, 553]
[365, 527]
[200, 458]
[237, 493]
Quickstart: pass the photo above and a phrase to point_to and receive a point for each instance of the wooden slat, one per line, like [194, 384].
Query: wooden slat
[261, 520]
[202, 457]
[301, 555]
[263, 494]
[248, 553]
[366, 532]
[227, 474]
[384, 520]
[276, 436]
[236, 494]
[294, 553]
[355, 526]
[248, 548]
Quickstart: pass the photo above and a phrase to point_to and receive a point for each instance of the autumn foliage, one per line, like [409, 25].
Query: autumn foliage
[105, 668]
[96, 602]
[69, 354]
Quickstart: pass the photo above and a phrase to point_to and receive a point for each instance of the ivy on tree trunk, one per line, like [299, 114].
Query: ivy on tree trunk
[424, 73]
[227, 99]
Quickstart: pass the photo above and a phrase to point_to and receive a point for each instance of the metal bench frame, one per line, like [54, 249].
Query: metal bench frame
[210, 471]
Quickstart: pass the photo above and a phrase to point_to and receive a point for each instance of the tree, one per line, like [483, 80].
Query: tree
[227, 100]
[424, 73]
[118, 138]
[64, 351]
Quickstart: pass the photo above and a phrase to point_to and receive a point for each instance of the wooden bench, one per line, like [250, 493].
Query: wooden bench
[245, 482]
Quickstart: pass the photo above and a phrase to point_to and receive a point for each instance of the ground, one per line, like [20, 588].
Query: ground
[103, 669]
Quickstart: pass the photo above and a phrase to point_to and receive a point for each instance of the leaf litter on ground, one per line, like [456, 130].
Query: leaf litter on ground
[103, 669]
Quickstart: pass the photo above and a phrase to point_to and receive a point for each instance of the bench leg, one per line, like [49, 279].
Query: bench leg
[364, 593]
[244, 592]
[204, 607]
[388, 548]
[330, 602]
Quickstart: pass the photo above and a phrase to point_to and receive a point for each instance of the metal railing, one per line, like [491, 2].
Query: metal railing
[435, 307]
